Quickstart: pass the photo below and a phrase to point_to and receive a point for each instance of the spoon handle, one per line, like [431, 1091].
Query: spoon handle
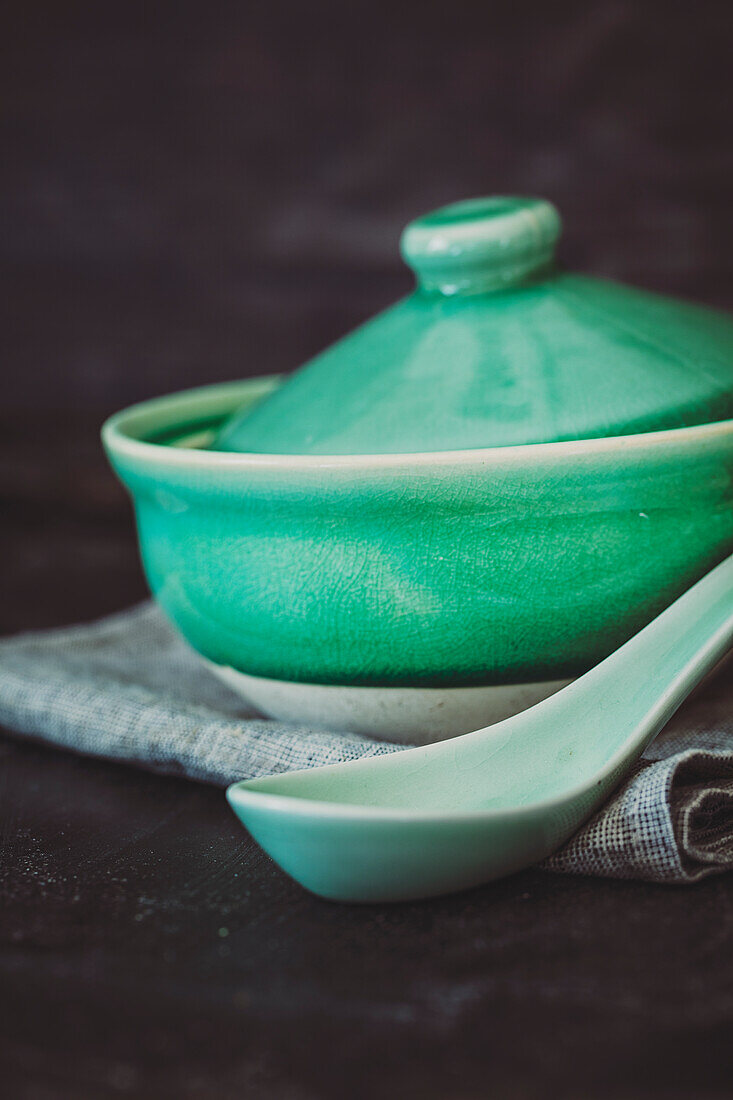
[637, 688]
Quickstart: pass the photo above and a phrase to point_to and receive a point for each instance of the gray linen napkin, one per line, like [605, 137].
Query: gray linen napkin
[128, 688]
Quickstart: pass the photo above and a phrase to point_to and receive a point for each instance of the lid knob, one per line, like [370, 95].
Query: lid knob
[481, 245]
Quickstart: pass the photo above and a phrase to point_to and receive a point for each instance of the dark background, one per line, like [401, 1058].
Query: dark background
[196, 192]
[199, 192]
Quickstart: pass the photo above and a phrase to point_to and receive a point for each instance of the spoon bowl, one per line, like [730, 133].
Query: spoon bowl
[433, 819]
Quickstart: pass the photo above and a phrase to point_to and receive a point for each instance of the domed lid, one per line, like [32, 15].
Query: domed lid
[496, 347]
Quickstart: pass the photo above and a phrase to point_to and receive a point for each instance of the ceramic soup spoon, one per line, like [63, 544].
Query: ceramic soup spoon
[454, 814]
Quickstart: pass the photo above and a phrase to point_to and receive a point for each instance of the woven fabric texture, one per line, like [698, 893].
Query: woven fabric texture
[128, 688]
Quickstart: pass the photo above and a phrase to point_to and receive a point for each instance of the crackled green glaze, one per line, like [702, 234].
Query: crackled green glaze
[471, 567]
[496, 347]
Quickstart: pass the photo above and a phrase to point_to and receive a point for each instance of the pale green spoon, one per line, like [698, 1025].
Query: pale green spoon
[461, 812]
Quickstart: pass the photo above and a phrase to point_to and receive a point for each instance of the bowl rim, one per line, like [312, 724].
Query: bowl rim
[220, 398]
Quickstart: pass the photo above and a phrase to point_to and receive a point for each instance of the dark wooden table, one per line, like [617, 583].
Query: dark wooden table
[149, 949]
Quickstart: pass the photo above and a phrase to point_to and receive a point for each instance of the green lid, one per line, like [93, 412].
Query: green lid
[496, 347]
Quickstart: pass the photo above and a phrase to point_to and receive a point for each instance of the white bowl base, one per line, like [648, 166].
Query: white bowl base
[416, 716]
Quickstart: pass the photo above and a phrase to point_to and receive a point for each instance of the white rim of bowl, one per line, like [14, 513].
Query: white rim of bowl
[220, 398]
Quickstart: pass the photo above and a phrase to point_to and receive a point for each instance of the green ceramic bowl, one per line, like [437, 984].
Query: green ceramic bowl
[435, 570]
